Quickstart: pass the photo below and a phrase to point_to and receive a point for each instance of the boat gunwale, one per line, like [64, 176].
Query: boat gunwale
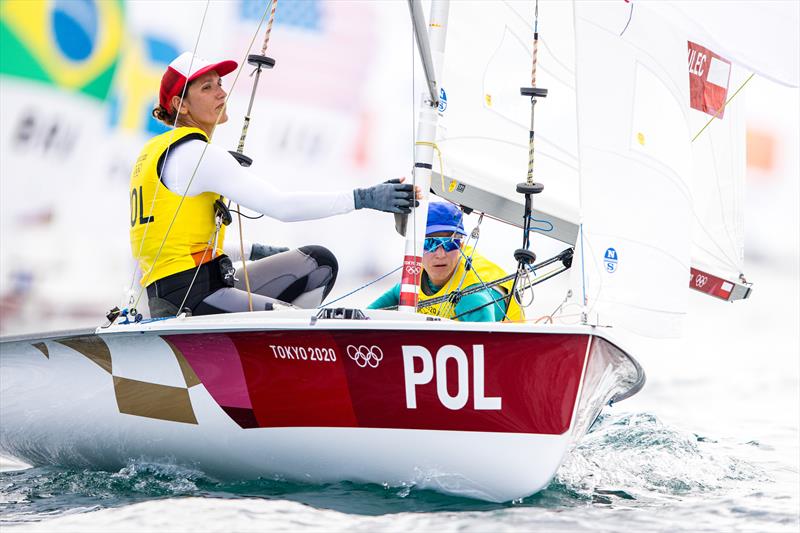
[306, 319]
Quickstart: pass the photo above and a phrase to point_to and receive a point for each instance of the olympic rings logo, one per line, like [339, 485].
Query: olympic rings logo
[700, 280]
[365, 355]
[414, 270]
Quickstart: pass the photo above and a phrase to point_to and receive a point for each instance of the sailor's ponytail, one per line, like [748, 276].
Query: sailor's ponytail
[164, 116]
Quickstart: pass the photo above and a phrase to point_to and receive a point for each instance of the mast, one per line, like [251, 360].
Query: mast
[423, 153]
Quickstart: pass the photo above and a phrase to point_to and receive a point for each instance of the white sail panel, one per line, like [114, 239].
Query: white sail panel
[635, 169]
[769, 47]
[719, 162]
[718, 92]
[484, 128]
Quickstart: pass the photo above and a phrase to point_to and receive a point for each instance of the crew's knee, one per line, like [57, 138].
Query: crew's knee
[325, 260]
[322, 256]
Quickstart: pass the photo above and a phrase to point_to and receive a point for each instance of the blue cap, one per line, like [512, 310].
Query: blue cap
[444, 216]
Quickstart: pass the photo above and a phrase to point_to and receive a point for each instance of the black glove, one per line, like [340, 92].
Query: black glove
[392, 197]
[260, 251]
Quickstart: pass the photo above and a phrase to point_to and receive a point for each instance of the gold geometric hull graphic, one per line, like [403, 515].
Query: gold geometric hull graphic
[151, 400]
[92, 347]
[188, 373]
[135, 397]
[42, 347]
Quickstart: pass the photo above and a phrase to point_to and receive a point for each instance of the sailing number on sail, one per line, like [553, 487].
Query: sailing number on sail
[454, 402]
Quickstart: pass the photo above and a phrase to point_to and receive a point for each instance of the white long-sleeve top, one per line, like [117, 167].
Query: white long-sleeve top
[220, 173]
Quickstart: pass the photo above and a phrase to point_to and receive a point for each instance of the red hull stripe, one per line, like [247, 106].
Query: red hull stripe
[465, 381]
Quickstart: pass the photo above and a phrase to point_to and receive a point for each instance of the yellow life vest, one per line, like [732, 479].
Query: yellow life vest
[482, 269]
[153, 208]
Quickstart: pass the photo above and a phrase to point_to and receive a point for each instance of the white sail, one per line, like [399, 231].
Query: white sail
[769, 47]
[484, 127]
[635, 168]
[721, 63]
[651, 165]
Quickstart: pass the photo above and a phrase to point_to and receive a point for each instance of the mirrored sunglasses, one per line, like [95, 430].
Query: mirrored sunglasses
[447, 243]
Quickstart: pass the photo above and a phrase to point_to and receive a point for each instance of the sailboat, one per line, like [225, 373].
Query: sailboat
[483, 410]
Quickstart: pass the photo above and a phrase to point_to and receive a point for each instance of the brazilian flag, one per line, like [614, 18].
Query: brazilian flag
[72, 44]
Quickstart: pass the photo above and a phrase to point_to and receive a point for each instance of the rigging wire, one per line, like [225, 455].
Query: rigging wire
[727, 259]
[564, 255]
[545, 277]
[194, 172]
[155, 192]
[723, 106]
[240, 149]
[360, 288]
[524, 255]
[451, 303]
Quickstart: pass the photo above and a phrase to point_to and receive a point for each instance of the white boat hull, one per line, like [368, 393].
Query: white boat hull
[217, 395]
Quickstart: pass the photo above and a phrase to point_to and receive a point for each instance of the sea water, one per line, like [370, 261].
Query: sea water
[712, 443]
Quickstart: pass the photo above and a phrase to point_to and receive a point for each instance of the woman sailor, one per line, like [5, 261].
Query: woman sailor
[175, 231]
[444, 271]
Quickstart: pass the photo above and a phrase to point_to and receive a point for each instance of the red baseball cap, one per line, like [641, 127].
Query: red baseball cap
[185, 68]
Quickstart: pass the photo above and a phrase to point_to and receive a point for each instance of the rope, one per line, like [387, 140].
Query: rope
[499, 281]
[155, 192]
[441, 177]
[545, 277]
[194, 172]
[361, 288]
[534, 60]
[439, 154]
[240, 149]
[723, 106]
[244, 261]
[196, 271]
[450, 304]
[269, 27]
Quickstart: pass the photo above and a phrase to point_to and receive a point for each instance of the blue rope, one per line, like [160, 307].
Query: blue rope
[543, 222]
[157, 319]
[360, 288]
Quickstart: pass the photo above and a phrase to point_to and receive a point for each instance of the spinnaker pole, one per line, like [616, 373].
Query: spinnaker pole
[423, 152]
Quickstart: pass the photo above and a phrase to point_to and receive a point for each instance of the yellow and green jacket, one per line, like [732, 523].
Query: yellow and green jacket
[482, 269]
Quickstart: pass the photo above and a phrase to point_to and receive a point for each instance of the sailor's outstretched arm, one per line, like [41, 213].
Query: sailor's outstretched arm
[218, 172]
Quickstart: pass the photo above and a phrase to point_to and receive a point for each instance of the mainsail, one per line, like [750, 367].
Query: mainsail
[649, 204]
